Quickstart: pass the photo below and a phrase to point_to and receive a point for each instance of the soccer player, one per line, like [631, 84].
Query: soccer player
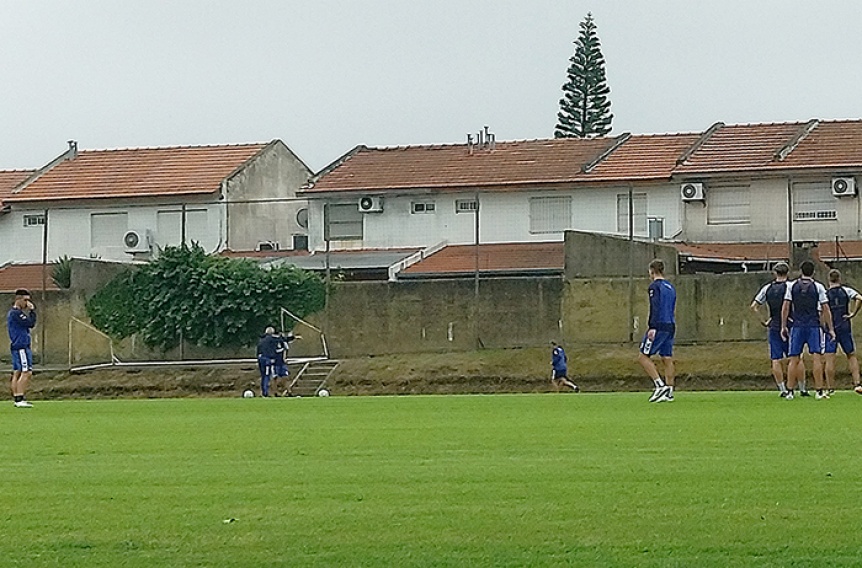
[772, 295]
[19, 321]
[559, 368]
[267, 352]
[660, 333]
[810, 306]
[280, 370]
[844, 303]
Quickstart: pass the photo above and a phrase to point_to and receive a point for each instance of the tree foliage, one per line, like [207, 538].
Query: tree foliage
[585, 109]
[208, 300]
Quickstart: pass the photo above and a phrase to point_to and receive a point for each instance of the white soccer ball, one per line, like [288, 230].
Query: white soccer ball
[323, 392]
[248, 394]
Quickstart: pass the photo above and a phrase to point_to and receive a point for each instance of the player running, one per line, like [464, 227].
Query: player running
[660, 333]
[810, 306]
[844, 303]
[559, 368]
[772, 295]
[19, 321]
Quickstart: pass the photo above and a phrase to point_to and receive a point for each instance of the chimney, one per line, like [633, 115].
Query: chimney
[72, 153]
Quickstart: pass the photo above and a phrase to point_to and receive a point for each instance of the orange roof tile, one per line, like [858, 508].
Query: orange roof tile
[28, 276]
[740, 147]
[455, 167]
[832, 144]
[140, 172]
[504, 257]
[643, 157]
[9, 179]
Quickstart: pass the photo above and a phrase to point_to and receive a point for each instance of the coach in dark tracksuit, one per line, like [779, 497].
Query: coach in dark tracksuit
[268, 349]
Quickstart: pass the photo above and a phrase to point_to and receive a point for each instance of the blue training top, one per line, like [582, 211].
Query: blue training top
[558, 359]
[662, 305]
[806, 295]
[19, 325]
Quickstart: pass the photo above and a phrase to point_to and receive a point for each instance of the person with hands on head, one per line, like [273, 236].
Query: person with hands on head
[20, 320]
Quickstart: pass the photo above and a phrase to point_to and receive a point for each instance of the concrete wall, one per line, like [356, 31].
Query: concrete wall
[710, 307]
[367, 318]
[277, 173]
[590, 255]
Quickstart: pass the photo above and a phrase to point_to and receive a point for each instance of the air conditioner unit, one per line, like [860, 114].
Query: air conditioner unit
[692, 191]
[138, 240]
[369, 204]
[844, 187]
[267, 246]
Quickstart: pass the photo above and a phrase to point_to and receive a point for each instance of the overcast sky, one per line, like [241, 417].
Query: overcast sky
[326, 75]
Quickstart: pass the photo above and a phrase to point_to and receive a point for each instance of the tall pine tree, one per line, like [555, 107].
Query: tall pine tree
[585, 109]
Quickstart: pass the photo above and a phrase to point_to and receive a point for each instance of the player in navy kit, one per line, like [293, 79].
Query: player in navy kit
[660, 333]
[280, 370]
[806, 298]
[559, 368]
[19, 321]
[267, 352]
[844, 303]
[772, 295]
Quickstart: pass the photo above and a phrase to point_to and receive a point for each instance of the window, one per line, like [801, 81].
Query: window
[423, 207]
[550, 214]
[466, 205]
[169, 226]
[639, 207]
[343, 222]
[108, 229]
[728, 205]
[813, 201]
[34, 220]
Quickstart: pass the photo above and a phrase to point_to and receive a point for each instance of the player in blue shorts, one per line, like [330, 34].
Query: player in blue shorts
[844, 303]
[560, 369]
[19, 321]
[772, 295]
[280, 370]
[660, 333]
[806, 298]
[267, 352]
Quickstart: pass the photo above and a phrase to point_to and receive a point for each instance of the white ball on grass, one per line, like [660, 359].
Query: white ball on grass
[248, 394]
[323, 392]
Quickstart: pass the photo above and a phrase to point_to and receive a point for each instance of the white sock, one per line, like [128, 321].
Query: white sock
[781, 387]
[658, 383]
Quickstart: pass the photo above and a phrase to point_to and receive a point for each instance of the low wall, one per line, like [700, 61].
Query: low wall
[367, 318]
[710, 307]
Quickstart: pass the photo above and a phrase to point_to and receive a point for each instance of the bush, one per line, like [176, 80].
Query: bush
[207, 300]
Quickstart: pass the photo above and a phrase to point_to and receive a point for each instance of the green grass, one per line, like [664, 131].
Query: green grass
[714, 479]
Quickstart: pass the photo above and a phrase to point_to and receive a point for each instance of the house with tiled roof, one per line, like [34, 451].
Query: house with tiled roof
[748, 183]
[774, 183]
[526, 191]
[127, 204]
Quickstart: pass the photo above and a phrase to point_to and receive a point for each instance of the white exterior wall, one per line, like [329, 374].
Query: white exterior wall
[504, 217]
[769, 215]
[69, 232]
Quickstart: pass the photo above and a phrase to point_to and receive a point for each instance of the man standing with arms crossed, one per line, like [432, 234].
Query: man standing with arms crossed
[841, 300]
[19, 321]
[660, 333]
[772, 295]
[807, 298]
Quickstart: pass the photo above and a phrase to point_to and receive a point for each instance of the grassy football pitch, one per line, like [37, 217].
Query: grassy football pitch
[712, 479]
